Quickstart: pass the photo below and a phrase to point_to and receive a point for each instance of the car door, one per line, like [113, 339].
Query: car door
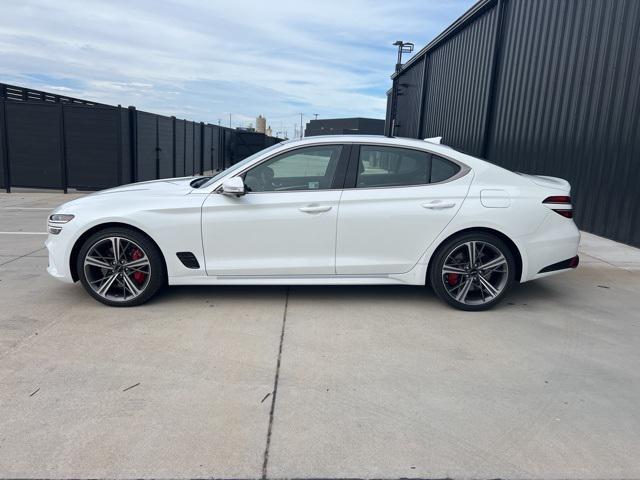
[285, 224]
[398, 201]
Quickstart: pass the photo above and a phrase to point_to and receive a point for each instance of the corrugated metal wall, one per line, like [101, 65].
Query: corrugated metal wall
[457, 87]
[568, 104]
[562, 98]
[409, 101]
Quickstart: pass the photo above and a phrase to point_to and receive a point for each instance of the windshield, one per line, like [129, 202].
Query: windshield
[239, 165]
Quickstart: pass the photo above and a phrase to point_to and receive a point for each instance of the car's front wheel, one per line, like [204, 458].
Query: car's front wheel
[120, 267]
[472, 271]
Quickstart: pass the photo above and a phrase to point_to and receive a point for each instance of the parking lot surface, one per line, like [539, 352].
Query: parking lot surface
[316, 382]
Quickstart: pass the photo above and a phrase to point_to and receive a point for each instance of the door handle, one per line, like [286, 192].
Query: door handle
[315, 208]
[438, 205]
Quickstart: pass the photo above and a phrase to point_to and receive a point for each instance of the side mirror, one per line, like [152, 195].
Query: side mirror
[233, 186]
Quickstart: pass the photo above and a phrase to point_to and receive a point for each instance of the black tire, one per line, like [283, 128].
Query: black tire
[152, 281]
[457, 245]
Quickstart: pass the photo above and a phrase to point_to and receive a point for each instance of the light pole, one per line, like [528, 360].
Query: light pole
[301, 131]
[403, 47]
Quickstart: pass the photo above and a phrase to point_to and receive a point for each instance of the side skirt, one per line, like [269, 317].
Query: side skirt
[294, 280]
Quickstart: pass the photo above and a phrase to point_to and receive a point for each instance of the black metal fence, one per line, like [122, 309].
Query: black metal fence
[12, 92]
[58, 142]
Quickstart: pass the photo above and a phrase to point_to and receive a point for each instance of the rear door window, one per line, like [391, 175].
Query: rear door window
[380, 166]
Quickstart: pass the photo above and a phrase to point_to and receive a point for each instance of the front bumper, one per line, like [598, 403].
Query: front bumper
[59, 252]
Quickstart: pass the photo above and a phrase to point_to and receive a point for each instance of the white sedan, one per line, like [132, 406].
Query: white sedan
[323, 210]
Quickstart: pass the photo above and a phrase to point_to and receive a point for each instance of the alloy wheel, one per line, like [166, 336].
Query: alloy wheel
[475, 273]
[117, 269]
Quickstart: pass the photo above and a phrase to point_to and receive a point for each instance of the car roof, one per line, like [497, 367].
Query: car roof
[431, 147]
[378, 139]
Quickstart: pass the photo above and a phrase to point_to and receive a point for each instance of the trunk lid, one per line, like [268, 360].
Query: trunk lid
[555, 183]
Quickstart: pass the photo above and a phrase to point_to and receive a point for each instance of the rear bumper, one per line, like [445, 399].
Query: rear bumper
[551, 249]
[563, 265]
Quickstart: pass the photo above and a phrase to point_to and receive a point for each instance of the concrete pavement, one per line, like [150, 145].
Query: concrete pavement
[381, 382]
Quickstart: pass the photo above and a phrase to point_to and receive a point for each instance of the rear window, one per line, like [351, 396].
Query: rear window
[442, 169]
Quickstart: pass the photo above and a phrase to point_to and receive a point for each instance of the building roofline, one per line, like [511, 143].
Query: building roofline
[344, 118]
[477, 9]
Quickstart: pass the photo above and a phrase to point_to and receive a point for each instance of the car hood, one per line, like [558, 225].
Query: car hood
[166, 185]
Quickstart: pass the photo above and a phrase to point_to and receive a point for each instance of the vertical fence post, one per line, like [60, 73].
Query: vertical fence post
[120, 159]
[157, 147]
[5, 148]
[222, 153]
[63, 149]
[201, 148]
[184, 150]
[193, 148]
[225, 146]
[173, 154]
[133, 142]
[215, 149]
[223, 150]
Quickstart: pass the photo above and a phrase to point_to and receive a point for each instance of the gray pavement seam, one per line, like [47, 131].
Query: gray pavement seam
[265, 461]
[249, 478]
[21, 256]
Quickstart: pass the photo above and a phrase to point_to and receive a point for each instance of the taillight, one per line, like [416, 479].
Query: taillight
[561, 204]
[561, 199]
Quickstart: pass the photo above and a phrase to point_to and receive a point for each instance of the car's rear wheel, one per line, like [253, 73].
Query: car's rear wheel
[120, 267]
[472, 271]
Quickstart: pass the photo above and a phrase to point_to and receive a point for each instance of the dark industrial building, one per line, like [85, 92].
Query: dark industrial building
[344, 126]
[548, 87]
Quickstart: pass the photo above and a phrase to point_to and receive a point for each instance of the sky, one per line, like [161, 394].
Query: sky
[209, 60]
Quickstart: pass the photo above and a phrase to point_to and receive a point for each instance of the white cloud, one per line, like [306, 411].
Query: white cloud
[204, 60]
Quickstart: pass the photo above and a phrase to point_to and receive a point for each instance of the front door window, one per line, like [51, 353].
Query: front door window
[310, 168]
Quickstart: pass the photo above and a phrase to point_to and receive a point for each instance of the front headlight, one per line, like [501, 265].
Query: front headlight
[60, 218]
[56, 220]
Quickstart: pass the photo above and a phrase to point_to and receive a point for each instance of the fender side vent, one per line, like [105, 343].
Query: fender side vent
[188, 259]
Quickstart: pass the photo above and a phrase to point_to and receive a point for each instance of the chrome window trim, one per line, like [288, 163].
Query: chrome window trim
[464, 168]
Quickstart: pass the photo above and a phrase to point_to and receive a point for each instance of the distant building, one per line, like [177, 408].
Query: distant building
[261, 124]
[341, 126]
[269, 132]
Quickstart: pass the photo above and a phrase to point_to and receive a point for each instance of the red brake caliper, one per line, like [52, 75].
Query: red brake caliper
[138, 276]
[453, 278]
